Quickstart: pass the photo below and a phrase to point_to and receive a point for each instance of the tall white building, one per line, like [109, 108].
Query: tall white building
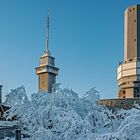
[129, 71]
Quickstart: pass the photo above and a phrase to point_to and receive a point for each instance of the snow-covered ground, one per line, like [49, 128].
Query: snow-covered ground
[63, 115]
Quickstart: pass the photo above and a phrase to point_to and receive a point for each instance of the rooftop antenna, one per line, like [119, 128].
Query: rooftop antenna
[1, 94]
[47, 34]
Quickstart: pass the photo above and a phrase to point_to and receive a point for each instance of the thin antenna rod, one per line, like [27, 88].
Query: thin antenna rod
[47, 34]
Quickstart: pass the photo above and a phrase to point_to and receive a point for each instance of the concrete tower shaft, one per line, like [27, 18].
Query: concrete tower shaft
[132, 33]
[46, 73]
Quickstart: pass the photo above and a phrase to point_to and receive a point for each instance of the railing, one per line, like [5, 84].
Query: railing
[8, 123]
[50, 69]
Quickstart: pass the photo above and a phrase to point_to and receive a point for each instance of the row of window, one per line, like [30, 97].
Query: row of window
[134, 9]
[136, 96]
[137, 93]
[136, 90]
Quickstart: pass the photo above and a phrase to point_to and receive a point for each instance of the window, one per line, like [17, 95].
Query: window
[123, 96]
[130, 59]
[135, 39]
[124, 92]
[133, 9]
[137, 90]
[130, 10]
[135, 20]
[138, 96]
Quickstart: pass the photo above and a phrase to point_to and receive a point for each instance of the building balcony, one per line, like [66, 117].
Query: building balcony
[47, 69]
[128, 69]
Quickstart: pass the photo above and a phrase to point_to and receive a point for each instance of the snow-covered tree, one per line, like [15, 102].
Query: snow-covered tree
[63, 115]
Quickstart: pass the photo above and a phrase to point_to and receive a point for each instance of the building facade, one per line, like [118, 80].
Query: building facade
[128, 72]
[46, 70]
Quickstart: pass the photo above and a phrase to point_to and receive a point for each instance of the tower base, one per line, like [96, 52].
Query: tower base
[129, 79]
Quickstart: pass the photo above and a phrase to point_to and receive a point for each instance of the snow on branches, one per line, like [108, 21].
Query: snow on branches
[63, 115]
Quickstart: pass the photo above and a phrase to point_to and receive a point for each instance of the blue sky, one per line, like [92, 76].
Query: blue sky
[86, 38]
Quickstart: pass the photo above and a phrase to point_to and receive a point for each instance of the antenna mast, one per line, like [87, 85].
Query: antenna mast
[47, 35]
